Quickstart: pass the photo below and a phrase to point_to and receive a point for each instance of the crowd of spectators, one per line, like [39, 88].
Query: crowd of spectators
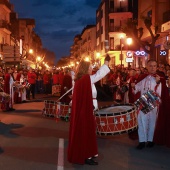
[113, 87]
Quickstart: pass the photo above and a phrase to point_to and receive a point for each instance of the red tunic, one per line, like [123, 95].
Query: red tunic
[82, 133]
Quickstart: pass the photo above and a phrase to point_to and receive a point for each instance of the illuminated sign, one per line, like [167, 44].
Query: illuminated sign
[129, 60]
[163, 52]
[140, 53]
[129, 54]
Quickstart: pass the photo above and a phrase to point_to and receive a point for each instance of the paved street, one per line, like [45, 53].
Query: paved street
[33, 142]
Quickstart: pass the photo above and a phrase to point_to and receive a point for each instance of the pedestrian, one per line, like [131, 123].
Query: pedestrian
[147, 122]
[82, 145]
[7, 105]
[31, 77]
[66, 85]
[46, 82]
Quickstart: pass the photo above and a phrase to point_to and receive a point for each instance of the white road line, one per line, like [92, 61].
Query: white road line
[60, 165]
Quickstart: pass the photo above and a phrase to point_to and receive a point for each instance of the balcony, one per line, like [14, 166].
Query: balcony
[6, 3]
[122, 15]
[5, 24]
[115, 29]
[115, 10]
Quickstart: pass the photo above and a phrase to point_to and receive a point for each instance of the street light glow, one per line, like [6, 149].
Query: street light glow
[87, 59]
[38, 58]
[97, 55]
[31, 51]
[129, 41]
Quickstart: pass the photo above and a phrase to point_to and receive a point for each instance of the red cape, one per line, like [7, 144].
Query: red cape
[162, 129]
[82, 133]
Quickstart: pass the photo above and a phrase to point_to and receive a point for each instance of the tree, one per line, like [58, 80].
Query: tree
[132, 31]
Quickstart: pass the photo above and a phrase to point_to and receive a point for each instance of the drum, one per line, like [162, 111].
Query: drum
[63, 111]
[148, 101]
[27, 85]
[56, 109]
[50, 108]
[116, 119]
[4, 97]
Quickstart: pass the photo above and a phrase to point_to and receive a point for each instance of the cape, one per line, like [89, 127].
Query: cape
[162, 129]
[82, 132]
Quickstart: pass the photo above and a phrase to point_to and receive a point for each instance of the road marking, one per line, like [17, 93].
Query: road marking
[60, 165]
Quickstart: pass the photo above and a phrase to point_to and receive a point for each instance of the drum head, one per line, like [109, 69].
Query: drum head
[115, 110]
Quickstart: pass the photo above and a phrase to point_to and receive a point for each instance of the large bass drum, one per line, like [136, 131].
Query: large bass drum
[116, 119]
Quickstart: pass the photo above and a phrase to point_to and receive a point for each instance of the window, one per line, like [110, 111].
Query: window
[111, 24]
[101, 29]
[101, 13]
[111, 6]
[111, 43]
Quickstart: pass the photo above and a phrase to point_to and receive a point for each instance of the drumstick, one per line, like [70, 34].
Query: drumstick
[65, 94]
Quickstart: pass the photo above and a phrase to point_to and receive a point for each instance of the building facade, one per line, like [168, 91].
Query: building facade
[111, 16]
[159, 12]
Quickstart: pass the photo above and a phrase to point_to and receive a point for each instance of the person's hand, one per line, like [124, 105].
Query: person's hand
[133, 85]
[107, 58]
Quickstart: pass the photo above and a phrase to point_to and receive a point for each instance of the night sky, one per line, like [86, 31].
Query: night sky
[58, 21]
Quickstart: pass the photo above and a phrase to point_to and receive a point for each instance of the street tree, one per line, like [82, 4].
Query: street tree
[131, 29]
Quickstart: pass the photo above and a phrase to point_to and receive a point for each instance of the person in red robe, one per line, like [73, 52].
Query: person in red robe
[31, 76]
[66, 85]
[82, 145]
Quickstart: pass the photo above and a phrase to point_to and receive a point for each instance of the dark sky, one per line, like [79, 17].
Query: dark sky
[58, 21]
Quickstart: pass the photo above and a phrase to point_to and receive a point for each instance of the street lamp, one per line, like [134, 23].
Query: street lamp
[87, 59]
[129, 42]
[31, 51]
[121, 55]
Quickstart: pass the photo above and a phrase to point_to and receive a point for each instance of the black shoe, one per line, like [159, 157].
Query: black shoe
[141, 145]
[11, 109]
[91, 162]
[150, 144]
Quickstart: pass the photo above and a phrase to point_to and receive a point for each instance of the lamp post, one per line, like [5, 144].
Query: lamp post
[129, 42]
[121, 55]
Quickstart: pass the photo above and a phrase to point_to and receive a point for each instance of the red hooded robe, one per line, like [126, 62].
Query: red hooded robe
[82, 133]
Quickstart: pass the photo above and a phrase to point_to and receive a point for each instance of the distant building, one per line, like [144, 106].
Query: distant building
[111, 15]
[5, 29]
[159, 12]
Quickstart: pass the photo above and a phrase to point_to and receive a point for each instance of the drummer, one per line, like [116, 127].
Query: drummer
[146, 122]
[82, 147]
